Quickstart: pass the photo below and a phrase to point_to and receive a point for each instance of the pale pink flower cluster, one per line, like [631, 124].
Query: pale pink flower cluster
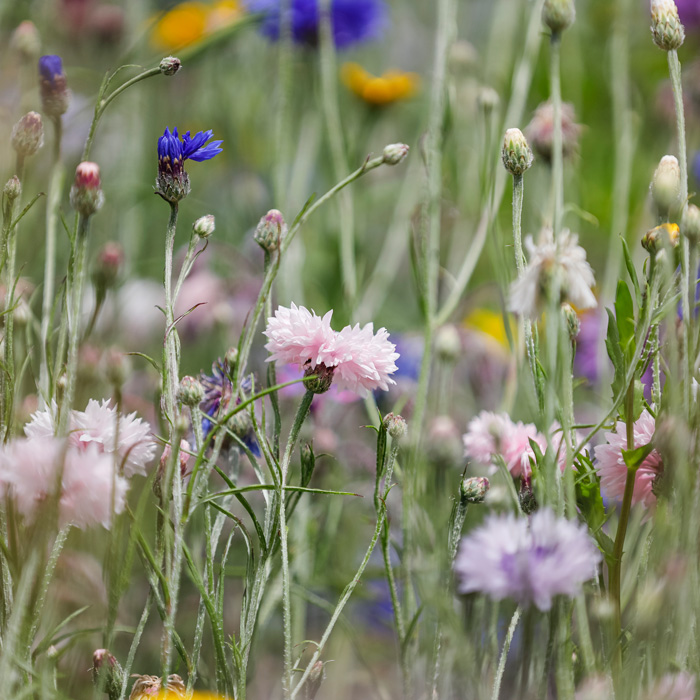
[102, 426]
[363, 359]
[492, 435]
[613, 470]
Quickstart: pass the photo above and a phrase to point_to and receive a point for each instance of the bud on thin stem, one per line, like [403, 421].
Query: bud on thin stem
[516, 153]
[558, 15]
[394, 153]
[666, 185]
[666, 27]
[86, 195]
[270, 231]
[28, 135]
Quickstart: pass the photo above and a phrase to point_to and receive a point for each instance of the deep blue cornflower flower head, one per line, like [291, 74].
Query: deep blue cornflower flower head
[353, 21]
[218, 389]
[173, 183]
[53, 86]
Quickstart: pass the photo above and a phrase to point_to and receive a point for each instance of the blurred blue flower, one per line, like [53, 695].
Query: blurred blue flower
[353, 21]
[50, 68]
[689, 12]
[53, 86]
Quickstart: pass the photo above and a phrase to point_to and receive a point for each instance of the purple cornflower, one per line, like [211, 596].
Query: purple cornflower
[528, 559]
[218, 389]
[353, 21]
[53, 86]
[172, 182]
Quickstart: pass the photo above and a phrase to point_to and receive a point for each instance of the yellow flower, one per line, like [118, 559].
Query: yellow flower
[190, 22]
[379, 91]
[149, 688]
[489, 323]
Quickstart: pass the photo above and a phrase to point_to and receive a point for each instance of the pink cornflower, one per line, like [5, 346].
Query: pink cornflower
[673, 686]
[357, 358]
[529, 560]
[613, 470]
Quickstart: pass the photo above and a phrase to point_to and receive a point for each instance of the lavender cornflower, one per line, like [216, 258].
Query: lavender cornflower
[52, 85]
[218, 389]
[173, 183]
[353, 21]
[529, 560]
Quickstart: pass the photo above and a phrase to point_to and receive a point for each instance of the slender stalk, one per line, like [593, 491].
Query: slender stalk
[557, 139]
[504, 654]
[299, 419]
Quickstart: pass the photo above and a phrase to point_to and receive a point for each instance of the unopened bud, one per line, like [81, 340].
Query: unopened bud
[270, 231]
[666, 185]
[558, 15]
[53, 86]
[315, 679]
[516, 153]
[28, 135]
[204, 226]
[13, 188]
[396, 426]
[231, 358]
[170, 65]
[488, 99]
[666, 27]
[662, 236]
[573, 325]
[526, 496]
[86, 195]
[107, 673]
[308, 463]
[463, 57]
[448, 344]
[318, 379]
[116, 366]
[26, 41]
[394, 153]
[690, 225]
[474, 489]
[109, 263]
[190, 392]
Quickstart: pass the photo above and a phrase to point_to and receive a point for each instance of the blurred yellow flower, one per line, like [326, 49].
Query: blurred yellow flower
[190, 22]
[489, 323]
[149, 688]
[379, 91]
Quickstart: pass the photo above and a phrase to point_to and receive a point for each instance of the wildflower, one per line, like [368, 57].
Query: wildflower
[379, 91]
[172, 182]
[353, 21]
[474, 489]
[516, 153]
[150, 688]
[394, 153]
[558, 15]
[396, 426]
[28, 135]
[359, 359]
[86, 195]
[540, 130]
[528, 559]
[204, 226]
[270, 231]
[12, 188]
[665, 186]
[661, 236]
[613, 470]
[190, 392]
[53, 86]
[26, 40]
[563, 262]
[666, 27]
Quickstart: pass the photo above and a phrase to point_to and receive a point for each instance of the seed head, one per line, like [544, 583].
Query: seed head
[516, 153]
[666, 27]
[28, 135]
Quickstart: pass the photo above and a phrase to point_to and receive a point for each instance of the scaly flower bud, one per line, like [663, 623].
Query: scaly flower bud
[662, 236]
[526, 496]
[474, 489]
[204, 226]
[170, 65]
[573, 325]
[13, 188]
[53, 86]
[666, 185]
[107, 673]
[109, 263]
[690, 225]
[558, 15]
[26, 41]
[396, 426]
[270, 231]
[231, 358]
[666, 27]
[394, 153]
[516, 153]
[190, 392]
[28, 135]
[86, 195]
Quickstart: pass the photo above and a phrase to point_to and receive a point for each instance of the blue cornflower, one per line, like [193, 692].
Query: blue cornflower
[173, 183]
[218, 388]
[353, 21]
[53, 86]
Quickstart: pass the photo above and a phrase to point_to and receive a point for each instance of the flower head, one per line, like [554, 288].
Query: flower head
[613, 470]
[353, 21]
[28, 135]
[530, 560]
[562, 262]
[86, 195]
[540, 130]
[53, 86]
[379, 91]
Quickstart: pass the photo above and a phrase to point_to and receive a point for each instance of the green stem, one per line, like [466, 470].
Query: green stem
[557, 139]
[504, 654]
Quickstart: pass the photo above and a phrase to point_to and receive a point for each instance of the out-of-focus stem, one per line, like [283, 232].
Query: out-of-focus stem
[557, 139]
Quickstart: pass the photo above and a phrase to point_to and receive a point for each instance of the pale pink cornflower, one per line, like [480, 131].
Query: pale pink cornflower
[613, 470]
[359, 359]
[673, 686]
[530, 560]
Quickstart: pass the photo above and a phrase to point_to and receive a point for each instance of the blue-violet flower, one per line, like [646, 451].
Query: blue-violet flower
[53, 86]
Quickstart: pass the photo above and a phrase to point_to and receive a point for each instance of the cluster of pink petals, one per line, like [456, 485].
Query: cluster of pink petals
[34, 470]
[363, 359]
[612, 468]
[530, 560]
[101, 426]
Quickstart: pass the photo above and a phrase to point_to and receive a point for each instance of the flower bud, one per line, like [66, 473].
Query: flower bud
[690, 225]
[190, 392]
[526, 496]
[558, 15]
[107, 673]
[396, 426]
[662, 236]
[474, 489]
[204, 226]
[394, 153]
[666, 27]
[448, 344]
[170, 65]
[487, 99]
[540, 130]
[270, 231]
[308, 463]
[28, 135]
[26, 41]
[13, 188]
[86, 195]
[231, 358]
[315, 679]
[318, 379]
[573, 325]
[666, 185]
[53, 86]
[516, 153]
[109, 263]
